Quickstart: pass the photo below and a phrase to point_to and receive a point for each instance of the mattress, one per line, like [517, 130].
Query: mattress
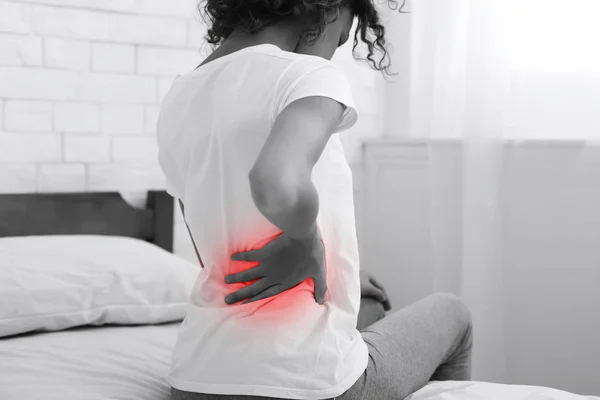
[130, 363]
[450, 390]
[108, 362]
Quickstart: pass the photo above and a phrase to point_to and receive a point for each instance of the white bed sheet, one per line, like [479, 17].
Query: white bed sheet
[490, 391]
[130, 363]
[92, 363]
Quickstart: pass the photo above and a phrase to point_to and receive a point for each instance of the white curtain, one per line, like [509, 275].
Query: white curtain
[486, 75]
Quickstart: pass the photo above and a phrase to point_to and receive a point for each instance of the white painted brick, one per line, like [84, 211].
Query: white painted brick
[87, 148]
[112, 5]
[20, 50]
[69, 22]
[164, 61]
[179, 8]
[28, 116]
[110, 88]
[32, 147]
[61, 178]
[108, 26]
[64, 53]
[1, 115]
[14, 17]
[164, 84]
[130, 176]
[108, 57]
[196, 31]
[122, 118]
[37, 83]
[76, 117]
[151, 119]
[147, 30]
[17, 178]
[132, 148]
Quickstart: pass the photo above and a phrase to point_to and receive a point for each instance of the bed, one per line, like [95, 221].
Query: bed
[91, 297]
[98, 349]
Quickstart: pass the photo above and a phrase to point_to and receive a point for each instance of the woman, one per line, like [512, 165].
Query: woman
[249, 144]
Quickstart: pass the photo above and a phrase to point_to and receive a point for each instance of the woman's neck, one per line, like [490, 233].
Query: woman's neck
[284, 37]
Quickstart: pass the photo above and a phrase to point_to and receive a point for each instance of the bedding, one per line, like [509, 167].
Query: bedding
[57, 282]
[130, 363]
[88, 363]
[450, 390]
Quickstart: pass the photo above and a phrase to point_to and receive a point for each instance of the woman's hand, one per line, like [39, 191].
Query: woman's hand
[284, 263]
[370, 287]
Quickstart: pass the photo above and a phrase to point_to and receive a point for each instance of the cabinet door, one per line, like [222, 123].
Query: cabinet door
[394, 226]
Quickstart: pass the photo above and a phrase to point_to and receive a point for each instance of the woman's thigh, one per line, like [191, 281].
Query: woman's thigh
[407, 347]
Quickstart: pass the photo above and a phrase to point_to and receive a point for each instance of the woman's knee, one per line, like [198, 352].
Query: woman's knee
[462, 318]
[457, 306]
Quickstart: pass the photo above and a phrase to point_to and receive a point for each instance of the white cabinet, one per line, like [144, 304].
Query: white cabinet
[392, 211]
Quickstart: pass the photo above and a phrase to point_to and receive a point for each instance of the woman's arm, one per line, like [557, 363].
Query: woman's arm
[280, 179]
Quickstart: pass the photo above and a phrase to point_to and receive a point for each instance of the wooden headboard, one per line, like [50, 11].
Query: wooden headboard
[92, 213]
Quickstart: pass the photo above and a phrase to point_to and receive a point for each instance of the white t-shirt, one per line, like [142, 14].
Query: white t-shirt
[212, 125]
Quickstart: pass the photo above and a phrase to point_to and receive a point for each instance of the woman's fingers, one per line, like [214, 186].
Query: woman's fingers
[250, 255]
[387, 306]
[320, 283]
[272, 291]
[248, 291]
[245, 276]
[374, 292]
[376, 283]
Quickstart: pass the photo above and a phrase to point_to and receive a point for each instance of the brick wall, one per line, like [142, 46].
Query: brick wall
[80, 86]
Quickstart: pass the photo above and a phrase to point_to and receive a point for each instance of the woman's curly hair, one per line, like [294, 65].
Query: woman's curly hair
[226, 16]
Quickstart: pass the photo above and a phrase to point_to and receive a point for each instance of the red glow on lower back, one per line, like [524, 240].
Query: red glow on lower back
[279, 306]
[284, 308]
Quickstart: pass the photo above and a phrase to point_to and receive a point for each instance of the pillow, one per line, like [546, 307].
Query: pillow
[51, 283]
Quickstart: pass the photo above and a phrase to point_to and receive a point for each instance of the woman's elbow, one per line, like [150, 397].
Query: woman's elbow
[271, 192]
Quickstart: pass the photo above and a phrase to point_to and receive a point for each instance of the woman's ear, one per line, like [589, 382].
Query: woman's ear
[325, 45]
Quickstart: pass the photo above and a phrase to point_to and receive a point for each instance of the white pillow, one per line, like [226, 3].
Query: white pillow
[56, 282]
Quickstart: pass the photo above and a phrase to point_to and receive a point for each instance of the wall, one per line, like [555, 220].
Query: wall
[548, 283]
[80, 86]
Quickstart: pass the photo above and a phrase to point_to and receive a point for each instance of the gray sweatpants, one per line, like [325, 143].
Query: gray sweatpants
[430, 339]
